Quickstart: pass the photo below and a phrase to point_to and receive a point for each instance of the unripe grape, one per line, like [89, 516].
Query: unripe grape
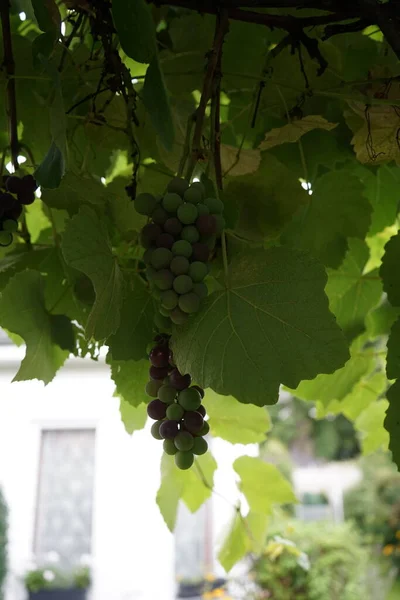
[6, 238]
[206, 224]
[161, 258]
[215, 205]
[200, 252]
[197, 185]
[193, 421]
[200, 289]
[169, 429]
[147, 256]
[162, 323]
[158, 372]
[156, 410]
[202, 209]
[169, 299]
[182, 248]
[165, 240]
[145, 204]
[183, 284]
[152, 388]
[173, 226]
[149, 234]
[179, 381]
[193, 195]
[159, 356]
[159, 215]
[184, 460]
[205, 429]
[178, 316]
[164, 311]
[189, 303]
[200, 446]
[166, 394]
[187, 213]
[175, 412]
[177, 185]
[190, 234]
[169, 447]
[10, 225]
[189, 399]
[171, 202]
[197, 271]
[202, 394]
[179, 265]
[163, 279]
[155, 430]
[184, 441]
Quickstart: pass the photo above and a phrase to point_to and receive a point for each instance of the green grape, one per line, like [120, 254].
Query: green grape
[161, 258]
[166, 394]
[155, 430]
[10, 225]
[204, 430]
[189, 398]
[200, 289]
[220, 224]
[179, 265]
[197, 185]
[193, 195]
[175, 412]
[202, 209]
[183, 284]
[215, 205]
[6, 238]
[171, 202]
[189, 303]
[184, 441]
[187, 213]
[197, 271]
[184, 460]
[178, 316]
[182, 248]
[152, 388]
[190, 234]
[159, 215]
[150, 273]
[162, 323]
[170, 448]
[145, 204]
[177, 185]
[169, 299]
[163, 279]
[164, 311]
[200, 446]
[147, 256]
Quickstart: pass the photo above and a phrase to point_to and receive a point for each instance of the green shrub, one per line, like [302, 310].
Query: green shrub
[48, 578]
[312, 561]
[3, 543]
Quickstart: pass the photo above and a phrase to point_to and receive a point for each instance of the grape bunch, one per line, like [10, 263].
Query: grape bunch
[17, 193]
[178, 240]
[175, 407]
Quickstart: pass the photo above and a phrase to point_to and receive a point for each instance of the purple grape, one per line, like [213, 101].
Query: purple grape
[158, 373]
[156, 410]
[14, 212]
[179, 381]
[193, 421]
[165, 240]
[7, 202]
[149, 234]
[169, 429]
[199, 389]
[206, 224]
[26, 197]
[29, 183]
[159, 357]
[202, 410]
[14, 184]
[200, 252]
[173, 226]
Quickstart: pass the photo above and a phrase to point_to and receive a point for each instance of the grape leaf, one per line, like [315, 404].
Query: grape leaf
[47, 15]
[380, 320]
[337, 385]
[370, 426]
[365, 392]
[235, 422]
[337, 209]
[135, 28]
[137, 314]
[263, 484]
[235, 545]
[156, 100]
[393, 354]
[86, 247]
[239, 162]
[389, 270]
[23, 311]
[130, 378]
[75, 191]
[122, 209]
[381, 187]
[188, 486]
[52, 168]
[352, 294]
[392, 421]
[242, 341]
[133, 417]
[293, 131]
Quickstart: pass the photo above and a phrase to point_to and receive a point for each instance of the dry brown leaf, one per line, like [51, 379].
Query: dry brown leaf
[293, 131]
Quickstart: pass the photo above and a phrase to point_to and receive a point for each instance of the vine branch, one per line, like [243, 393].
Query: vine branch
[9, 66]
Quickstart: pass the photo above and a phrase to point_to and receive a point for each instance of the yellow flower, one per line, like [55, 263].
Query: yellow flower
[388, 550]
[209, 577]
[398, 535]
[219, 593]
[207, 596]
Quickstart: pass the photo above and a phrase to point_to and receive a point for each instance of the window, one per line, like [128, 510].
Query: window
[65, 495]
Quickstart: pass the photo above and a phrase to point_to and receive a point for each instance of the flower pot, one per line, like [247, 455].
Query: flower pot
[59, 594]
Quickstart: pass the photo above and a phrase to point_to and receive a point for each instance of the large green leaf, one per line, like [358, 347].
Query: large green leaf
[292, 132]
[270, 325]
[243, 535]
[392, 421]
[235, 422]
[156, 100]
[393, 355]
[133, 417]
[337, 209]
[370, 426]
[23, 311]
[263, 484]
[135, 28]
[352, 294]
[86, 247]
[366, 391]
[390, 272]
[130, 378]
[381, 188]
[74, 192]
[47, 15]
[193, 487]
